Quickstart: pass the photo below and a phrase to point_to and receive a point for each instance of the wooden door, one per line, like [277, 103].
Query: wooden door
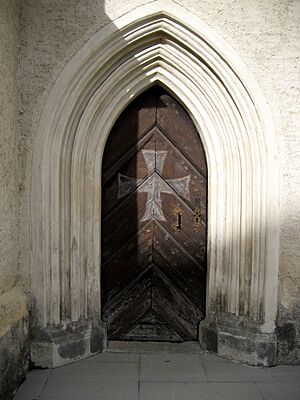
[153, 272]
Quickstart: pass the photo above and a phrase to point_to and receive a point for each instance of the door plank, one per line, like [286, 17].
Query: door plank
[195, 291]
[178, 126]
[174, 307]
[127, 262]
[138, 118]
[129, 308]
[174, 253]
[151, 327]
[116, 230]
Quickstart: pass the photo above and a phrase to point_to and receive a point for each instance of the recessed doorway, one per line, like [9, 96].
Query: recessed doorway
[154, 218]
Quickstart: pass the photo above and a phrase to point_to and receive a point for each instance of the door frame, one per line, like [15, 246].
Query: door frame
[205, 74]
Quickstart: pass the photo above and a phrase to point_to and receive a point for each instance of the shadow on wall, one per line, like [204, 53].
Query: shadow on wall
[158, 43]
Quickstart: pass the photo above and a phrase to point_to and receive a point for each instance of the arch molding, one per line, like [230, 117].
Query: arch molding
[156, 43]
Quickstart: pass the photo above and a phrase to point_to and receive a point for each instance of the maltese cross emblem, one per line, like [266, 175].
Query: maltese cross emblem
[154, 185]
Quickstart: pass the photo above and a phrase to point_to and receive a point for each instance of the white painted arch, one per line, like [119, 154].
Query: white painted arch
[156, 43]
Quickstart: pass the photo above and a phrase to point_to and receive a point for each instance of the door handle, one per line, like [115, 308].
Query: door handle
[197, 220]
[178, 224]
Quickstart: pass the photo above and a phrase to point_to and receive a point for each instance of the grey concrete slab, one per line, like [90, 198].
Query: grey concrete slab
[164, 376]
[223, 391]
[286, 373]
[114, 357]
[33, 384]
[280, 391]
[163, 391]
[171, 368]
[92, 389]
[100, 370]
[213, 358]
[92, 380]
[86, 388]
[224, 371]
[78, 386]
[64, 396]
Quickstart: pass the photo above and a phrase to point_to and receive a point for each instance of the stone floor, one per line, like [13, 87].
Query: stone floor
[160, 373]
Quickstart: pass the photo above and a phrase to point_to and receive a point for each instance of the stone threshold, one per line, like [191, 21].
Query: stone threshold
[190, 347]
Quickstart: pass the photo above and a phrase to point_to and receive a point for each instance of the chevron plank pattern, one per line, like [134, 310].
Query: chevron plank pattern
[154, 206]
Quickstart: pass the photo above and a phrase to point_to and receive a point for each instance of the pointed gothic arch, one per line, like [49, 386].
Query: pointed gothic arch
[158, 42]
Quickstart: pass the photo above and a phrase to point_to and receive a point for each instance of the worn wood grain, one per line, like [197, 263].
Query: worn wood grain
[153, 258]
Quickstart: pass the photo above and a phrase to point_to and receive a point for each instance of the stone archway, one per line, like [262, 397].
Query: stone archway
[152, 44]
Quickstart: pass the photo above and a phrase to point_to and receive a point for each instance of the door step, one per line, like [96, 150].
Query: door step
[191, 347]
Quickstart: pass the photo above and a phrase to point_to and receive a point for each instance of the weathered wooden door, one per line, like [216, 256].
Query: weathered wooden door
[154, 223]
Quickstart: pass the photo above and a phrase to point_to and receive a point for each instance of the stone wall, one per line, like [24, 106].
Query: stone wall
[14, 341]
[264, 33]
[9, 150]
[14, 344]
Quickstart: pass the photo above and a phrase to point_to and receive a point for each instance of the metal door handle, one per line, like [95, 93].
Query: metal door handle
[197, 213]
[178, 225]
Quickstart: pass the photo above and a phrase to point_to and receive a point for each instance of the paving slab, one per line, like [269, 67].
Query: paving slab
[68, 387]
[83, 369]
[163, 391]
[213, 358]
[220, 370]
[286, 373]
[92, 389]
[33, 384]
[114, 357]
[156, 375]
[93, 380]
[223, 391]
[171, 368]
[280, 391]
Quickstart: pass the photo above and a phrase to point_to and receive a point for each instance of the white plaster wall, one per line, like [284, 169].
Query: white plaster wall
[14, 339]
[265, 34]
[13, 304]
[9, 146]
